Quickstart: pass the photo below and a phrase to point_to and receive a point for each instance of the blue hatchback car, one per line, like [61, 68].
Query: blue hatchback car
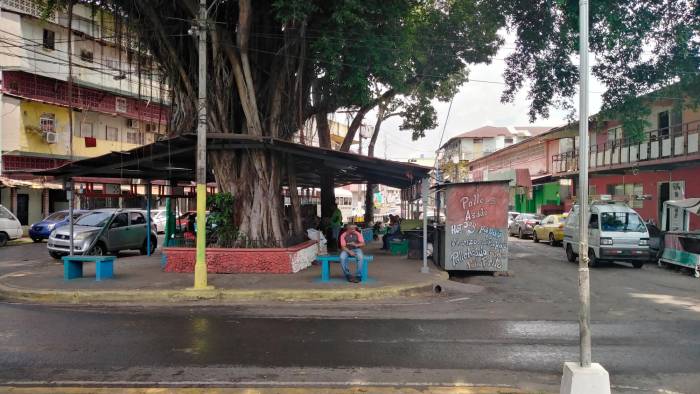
[41, 230]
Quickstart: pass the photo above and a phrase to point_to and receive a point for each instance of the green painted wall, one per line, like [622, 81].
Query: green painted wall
[544, 194]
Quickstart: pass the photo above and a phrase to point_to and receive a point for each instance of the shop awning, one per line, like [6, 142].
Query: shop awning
[690, 204]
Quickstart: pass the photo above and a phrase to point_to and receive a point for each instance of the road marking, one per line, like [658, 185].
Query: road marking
[459, 299]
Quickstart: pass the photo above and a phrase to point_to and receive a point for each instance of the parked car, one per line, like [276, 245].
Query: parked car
[551, 229]
[103, 231]
[511, 217]
[615, 233]
[159, 217]
[154, 221]
[41, 230]
[10, 228]
[185, 222]
[524, 224]
[656, 241]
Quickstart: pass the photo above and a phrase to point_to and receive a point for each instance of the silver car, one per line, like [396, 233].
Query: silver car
[103, 231]
[524, 224]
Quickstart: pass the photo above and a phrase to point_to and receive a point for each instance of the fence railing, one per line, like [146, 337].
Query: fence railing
[666, 143]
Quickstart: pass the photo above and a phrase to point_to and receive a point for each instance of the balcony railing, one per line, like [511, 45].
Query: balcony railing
[667, 144]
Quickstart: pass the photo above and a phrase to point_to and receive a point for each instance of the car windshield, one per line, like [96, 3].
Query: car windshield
[622, 222]
[532, 216]
[94, 219]
[57, 216]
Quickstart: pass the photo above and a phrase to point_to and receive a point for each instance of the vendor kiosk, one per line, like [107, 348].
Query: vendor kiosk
[681, 246]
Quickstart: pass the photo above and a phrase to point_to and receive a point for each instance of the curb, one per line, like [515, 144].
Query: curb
[356, 389]
[222, 295]
[20, 241]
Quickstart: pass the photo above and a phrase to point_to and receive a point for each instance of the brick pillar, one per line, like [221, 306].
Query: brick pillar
[13, 200]
[45, 202]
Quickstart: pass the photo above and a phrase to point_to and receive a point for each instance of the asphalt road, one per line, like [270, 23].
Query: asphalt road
[514, 330]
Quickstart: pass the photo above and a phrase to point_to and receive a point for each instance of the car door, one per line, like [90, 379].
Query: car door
[9, 223]
[118, 233]
[594, 231]
[137, 228]
[545, 227]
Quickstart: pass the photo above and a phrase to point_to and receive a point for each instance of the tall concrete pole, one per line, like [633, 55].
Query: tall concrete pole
[2, 106]
[71, 191]
[424, 191]
[584, 290]
[200, 266]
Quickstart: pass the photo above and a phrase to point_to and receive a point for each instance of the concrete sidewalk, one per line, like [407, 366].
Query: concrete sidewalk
[141, 279]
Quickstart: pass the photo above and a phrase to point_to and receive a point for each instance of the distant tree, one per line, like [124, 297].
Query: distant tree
[640, 46]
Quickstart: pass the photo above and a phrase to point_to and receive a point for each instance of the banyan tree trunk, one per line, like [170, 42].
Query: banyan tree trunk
[253, 178]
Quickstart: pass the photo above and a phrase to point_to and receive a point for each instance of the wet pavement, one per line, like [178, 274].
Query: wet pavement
[516, 330]
[39, 342]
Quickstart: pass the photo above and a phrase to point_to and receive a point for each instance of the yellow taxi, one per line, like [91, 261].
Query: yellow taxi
[551, 228]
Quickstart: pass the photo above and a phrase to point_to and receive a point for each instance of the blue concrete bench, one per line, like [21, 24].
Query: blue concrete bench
[73, 266]
[334, 258]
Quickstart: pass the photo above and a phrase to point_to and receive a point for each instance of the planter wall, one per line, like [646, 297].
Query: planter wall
[249, 261]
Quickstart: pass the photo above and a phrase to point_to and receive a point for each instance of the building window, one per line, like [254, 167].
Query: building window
[120, 104]
[508, 141]
[134, 137]
[614, 136]
[47, 122]
[663, 123]
[49, 40]
[86, 129]
[86, 55]
[632, 192]
[111, 133]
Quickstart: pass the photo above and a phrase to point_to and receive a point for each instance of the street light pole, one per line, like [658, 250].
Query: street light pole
[584, 290]
[584, 376]
[200, 266]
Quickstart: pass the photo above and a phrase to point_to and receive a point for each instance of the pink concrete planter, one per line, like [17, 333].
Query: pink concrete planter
[249, 261]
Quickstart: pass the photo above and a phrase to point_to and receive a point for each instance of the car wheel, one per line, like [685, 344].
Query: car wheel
[638, 264]
[534, 237]
[154, 245]
[570, 255]
[55, 255]
[98, 250]
[552, 242]
[3, 239]
[520, 233]
[592, 260]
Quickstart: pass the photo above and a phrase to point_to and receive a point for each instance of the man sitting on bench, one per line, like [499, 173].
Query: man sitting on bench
[350, 242]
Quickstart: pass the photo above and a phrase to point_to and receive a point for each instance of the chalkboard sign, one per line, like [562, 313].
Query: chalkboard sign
[476, 234]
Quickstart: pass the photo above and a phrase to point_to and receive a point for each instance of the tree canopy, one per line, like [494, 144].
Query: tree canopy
[274, 64]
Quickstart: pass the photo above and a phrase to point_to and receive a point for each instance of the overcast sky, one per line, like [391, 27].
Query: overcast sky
[477, 104]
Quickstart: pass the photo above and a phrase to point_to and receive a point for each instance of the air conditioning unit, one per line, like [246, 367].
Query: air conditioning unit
[132, 123]
[51, 137]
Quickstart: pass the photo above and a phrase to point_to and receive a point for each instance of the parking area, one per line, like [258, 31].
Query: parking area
[542, 284]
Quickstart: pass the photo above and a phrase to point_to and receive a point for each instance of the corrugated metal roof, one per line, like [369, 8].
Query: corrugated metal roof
[174, 159]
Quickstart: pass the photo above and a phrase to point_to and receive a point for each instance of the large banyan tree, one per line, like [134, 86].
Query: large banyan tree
[274, 64]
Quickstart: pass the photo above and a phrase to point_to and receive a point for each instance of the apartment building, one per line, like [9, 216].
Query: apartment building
[111, 98]
[645, 169]
[474, 144]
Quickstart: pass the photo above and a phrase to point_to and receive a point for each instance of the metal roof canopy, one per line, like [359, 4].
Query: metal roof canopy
[174, 159]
